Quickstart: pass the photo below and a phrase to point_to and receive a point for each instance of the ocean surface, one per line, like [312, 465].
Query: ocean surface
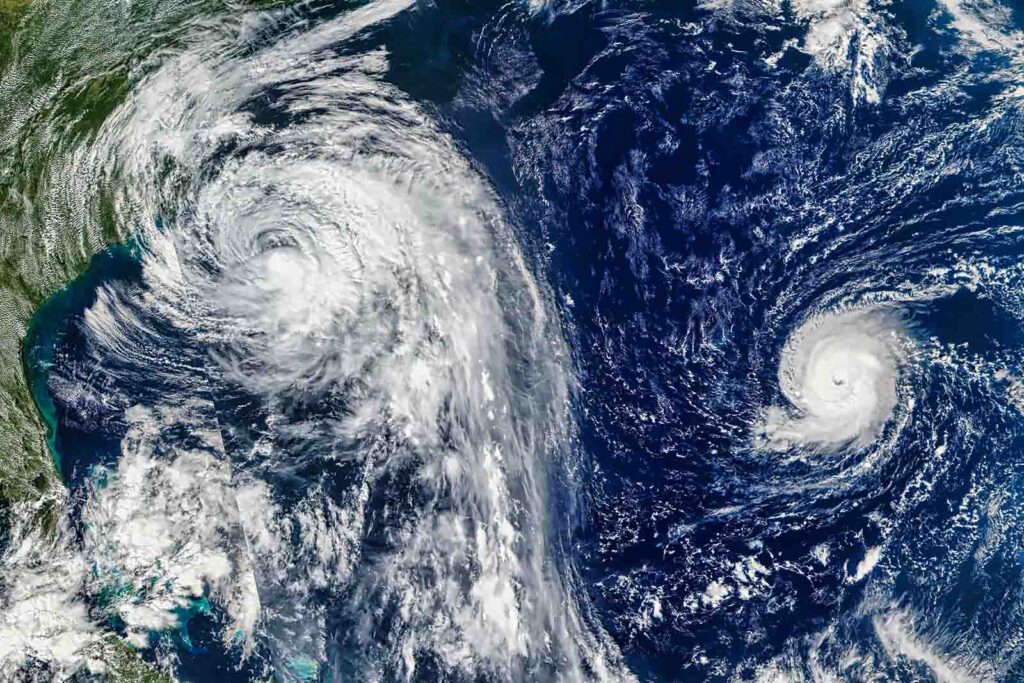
[565, 341]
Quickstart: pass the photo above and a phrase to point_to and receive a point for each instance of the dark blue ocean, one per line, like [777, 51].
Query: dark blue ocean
[697, 190]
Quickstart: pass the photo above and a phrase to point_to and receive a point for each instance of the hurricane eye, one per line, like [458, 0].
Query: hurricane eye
[839, 372]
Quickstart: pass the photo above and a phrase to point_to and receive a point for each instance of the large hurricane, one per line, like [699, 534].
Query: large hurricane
[471, 342]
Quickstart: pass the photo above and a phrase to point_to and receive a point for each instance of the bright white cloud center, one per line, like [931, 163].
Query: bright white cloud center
[839, 373]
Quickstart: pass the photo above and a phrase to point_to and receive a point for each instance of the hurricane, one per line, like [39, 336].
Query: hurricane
[401, 340]
[337, 271]
[840, 374]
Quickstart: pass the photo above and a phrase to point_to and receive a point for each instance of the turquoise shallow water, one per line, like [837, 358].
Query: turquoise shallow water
[53, 321]
[584, 341]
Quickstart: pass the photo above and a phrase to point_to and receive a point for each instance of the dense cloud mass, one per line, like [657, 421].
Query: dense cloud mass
[532, 341]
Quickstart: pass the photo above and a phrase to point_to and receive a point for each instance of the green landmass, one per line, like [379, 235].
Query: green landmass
[65, 66]
[123, 664]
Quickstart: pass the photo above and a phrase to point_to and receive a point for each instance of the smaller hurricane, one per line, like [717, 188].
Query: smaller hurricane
[839, 372]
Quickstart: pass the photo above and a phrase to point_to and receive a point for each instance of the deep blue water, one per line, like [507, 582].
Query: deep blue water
[689, 205]
[54, 331]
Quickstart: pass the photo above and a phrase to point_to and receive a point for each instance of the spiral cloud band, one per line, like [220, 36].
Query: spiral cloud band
[839, 373]
[351, 283]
